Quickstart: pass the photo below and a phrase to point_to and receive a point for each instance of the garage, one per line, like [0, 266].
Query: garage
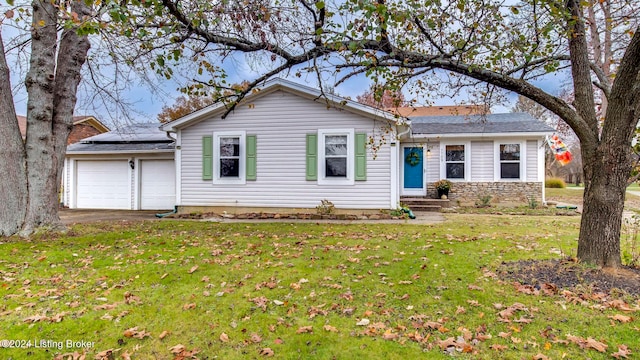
[103, 184]
[131, 168]
[157, 184]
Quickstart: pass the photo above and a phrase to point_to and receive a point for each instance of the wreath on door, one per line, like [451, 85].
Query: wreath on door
[413, 158]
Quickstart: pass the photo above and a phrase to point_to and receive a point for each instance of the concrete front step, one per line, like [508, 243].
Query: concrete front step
[424, 204]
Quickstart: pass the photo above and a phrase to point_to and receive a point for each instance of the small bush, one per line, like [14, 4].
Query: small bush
[484, 201]
[326, 207]
[532, 202]
[556, 183]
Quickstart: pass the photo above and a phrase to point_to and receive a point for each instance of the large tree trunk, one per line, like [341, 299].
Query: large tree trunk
[31, 171]
[13, 176]
[40, 82]
[606, 174]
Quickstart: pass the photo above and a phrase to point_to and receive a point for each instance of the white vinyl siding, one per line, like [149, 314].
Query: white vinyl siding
[532, 160]
[481, 161]
[433, 162]
[281, 121]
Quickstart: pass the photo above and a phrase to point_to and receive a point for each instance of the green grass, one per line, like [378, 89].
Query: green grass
[231, 290]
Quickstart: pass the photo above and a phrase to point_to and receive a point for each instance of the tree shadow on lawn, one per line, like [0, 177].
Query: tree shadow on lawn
[551, 275]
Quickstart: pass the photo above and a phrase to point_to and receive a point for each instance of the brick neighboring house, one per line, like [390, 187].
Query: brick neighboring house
[84, 126]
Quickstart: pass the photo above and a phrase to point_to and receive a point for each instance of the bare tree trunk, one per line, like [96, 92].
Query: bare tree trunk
[13, 179]
[605, 187]
[40, 82]
[51, 82]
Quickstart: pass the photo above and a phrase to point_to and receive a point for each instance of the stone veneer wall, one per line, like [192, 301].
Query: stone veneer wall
[467, 193]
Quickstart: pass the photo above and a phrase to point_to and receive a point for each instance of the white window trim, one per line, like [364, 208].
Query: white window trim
[322, 179]
[467, 158]
[241, 179]
[523, 159]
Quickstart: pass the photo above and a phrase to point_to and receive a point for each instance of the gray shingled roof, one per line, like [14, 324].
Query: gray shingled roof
[130, 138]
[478, 124]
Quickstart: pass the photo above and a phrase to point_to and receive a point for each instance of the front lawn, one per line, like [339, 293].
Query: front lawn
[183, 289]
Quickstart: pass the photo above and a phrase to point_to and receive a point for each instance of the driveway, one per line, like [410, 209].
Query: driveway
[77, 216]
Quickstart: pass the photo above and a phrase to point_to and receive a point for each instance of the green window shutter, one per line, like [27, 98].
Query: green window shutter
[207, 157]
[251, 173]
[361, 157]
[312, 157]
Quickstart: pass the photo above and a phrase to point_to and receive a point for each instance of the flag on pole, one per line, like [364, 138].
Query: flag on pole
[560, 150]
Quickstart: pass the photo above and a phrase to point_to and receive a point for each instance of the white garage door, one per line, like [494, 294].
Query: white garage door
[157, 184]
[103, 184]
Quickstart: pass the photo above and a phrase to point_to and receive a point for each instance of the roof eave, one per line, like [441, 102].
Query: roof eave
[483, 135]
[116, 152]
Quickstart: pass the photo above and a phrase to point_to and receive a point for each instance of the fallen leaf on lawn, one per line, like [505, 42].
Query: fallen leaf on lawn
[163, 335]
[35, 319]
[125, 355]
[224, 338]
[193, 269]
[448, 342]
[278, 341]
[278, 302]
[205, 279]
[330, 328]
[363, 322]
[622, 352]
[104, 355]
[189, 306]
[304, 330]
[389, 335]
[504, 334]
[460, 310]
[256, 338]
[498, 347]
[106, 306]
[164, 276]
[267, 352]
[596, 345]
[540, 357]
[135, 333]
[621, 318]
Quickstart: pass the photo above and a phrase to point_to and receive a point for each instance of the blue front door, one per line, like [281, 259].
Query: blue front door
[413, 169]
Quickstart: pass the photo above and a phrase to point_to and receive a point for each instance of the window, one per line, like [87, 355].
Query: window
[510, 161]
[229, 157]
[454, 161]
[336, 156]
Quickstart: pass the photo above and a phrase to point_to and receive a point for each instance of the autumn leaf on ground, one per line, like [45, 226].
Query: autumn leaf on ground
[596, 345]
[193, 269]
[189, 306]
[224, 338]
[106, 306]
[129, 298]
[540, 357]
[621, 318]
[267, 352]
[255, 338]
[622, 353]
[260, 302]
[104, 355]
[304, 330]
[330, 328]
[498, 347]
[135, 333]
[163, 335]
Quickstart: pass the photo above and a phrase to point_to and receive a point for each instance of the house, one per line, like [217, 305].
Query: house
[128, 168]
[286, 147]
[83, 127]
